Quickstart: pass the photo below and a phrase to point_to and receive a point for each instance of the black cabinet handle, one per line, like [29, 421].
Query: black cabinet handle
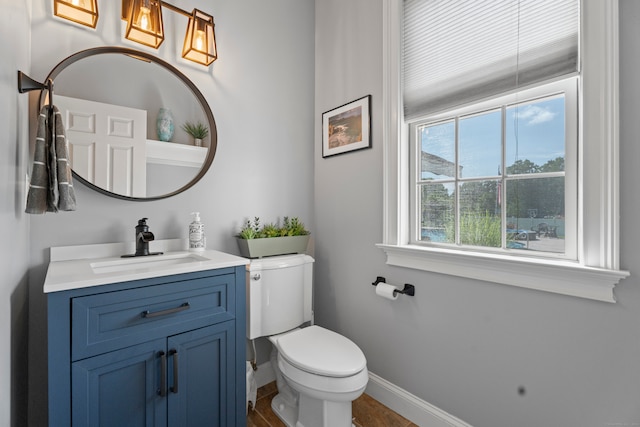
[162, 391]
[173, 352]
[148, 314]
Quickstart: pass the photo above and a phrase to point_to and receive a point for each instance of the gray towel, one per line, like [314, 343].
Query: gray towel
[51, 187]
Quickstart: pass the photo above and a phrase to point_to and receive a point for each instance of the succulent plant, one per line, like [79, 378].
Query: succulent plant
[196, 130]
[290, 227]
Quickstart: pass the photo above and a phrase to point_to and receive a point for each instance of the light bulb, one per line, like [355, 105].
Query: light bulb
[200, 36]
[77, 3]
[144, 18]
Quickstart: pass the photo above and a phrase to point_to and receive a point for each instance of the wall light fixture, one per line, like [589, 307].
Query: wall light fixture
[144, 25]
[144, 22]
[200, 40]
[83, 12]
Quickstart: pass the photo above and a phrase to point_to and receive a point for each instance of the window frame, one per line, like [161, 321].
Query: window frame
[596, 271]
[567, 87]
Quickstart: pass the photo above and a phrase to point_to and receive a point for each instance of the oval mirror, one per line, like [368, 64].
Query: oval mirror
[119, 106]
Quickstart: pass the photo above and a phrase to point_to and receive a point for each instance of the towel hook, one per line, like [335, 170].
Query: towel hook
[27, 84]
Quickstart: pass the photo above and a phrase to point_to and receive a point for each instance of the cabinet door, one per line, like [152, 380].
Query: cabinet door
[120, 388]
[202, 377]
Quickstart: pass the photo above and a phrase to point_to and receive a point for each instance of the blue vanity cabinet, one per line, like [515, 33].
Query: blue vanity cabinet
[167, 351]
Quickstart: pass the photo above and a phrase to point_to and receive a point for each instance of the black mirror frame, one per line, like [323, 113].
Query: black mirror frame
[143, 56]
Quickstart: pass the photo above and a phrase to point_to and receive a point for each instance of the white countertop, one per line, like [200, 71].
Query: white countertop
[75, 267]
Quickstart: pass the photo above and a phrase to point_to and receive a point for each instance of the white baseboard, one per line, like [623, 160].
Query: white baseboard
[409, 406]
[401, 401]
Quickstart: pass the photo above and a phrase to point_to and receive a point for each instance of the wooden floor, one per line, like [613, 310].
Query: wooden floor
[367, 412]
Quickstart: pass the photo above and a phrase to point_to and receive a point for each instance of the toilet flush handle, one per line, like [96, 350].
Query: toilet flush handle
[256, 276]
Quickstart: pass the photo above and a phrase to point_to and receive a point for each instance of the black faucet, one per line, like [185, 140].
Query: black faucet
[143, 237]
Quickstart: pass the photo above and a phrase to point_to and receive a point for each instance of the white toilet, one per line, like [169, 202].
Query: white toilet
[319, 373]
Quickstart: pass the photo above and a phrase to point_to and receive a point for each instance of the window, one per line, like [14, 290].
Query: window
[467, 187]
[499, 175]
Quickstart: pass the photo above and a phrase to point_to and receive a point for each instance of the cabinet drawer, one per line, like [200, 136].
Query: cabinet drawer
[108, 321]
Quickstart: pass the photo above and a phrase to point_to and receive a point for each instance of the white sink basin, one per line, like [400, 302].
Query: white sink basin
[134, 264]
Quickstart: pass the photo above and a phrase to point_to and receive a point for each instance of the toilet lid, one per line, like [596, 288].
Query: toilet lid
[322, 352]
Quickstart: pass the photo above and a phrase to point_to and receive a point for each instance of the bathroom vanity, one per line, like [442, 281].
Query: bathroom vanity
[146, 341]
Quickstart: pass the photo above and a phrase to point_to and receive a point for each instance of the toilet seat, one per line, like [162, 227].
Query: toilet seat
[323, 387]
[319, 351]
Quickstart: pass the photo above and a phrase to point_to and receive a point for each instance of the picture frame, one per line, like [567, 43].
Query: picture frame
[347, 128]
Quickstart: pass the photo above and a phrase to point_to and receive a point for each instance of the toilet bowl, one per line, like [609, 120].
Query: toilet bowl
[319, 374]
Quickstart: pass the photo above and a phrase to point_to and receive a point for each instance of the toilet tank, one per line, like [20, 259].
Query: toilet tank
[279, 294]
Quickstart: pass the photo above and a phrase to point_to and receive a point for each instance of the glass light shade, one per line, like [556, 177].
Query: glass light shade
[83, 12]
[200, 40]
[144, 22]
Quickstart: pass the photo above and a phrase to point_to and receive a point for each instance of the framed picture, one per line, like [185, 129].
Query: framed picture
[347, 128]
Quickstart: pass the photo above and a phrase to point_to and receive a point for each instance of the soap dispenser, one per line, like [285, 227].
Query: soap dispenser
[197, 240]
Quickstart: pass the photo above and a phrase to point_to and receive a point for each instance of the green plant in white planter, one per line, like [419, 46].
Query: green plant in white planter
[257, 241]
[197, 130]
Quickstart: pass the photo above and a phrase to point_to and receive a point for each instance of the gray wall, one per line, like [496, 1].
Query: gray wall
[463, 345]
[260, 91]
[14, 224]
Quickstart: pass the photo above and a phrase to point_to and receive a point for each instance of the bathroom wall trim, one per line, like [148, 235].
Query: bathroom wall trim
[401, 401]
[409, 406]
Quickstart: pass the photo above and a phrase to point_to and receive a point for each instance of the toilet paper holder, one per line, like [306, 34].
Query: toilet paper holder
[407, 290]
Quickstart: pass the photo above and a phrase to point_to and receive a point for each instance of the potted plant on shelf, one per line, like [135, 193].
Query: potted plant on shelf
[257, 241]
[197, 130]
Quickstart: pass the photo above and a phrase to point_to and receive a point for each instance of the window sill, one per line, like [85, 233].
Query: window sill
[561, 277]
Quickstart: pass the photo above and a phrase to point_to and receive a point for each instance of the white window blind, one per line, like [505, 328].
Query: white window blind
[459, 51]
